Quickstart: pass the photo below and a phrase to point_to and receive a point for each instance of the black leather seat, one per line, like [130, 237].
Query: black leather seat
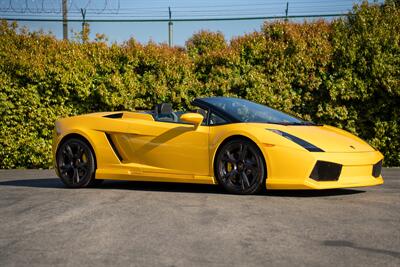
[163, 112]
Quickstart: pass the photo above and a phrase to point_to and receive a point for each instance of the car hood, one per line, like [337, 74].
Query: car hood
[328, 138]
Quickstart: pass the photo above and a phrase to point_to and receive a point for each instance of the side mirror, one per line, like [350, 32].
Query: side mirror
[193, 118]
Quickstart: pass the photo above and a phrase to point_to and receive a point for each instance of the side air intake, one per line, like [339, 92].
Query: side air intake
[114, 147]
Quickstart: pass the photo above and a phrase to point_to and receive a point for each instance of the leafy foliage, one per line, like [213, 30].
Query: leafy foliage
[344, 73]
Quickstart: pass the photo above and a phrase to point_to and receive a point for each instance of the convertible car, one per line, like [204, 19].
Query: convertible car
[241, 145]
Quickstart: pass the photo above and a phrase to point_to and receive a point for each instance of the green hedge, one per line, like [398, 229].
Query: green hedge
[344, 73]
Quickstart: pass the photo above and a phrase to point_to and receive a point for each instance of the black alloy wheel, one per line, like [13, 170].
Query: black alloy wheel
[240, 167]
[76, 163]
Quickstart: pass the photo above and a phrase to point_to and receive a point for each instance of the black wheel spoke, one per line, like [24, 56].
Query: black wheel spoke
[250, 162]
[245, 179]
[240, 167]
[75, 177]
[242, 184]
[228, 157]
[251, 168]
[68, 151]
[79, 152]
[65, 167]
[231, 174]
[75, 163]
[242, 152]
[81, 165]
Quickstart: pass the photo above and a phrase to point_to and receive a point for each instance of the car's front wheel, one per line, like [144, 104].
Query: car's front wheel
[75, 163]
[240, 167]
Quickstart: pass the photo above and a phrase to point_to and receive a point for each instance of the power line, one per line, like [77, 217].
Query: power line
[35, 7]
[109, 8]
[217, 12]
[184, 19]
[194, 13]
[188, 14]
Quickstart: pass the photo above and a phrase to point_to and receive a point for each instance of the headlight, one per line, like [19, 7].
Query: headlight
[299, 141]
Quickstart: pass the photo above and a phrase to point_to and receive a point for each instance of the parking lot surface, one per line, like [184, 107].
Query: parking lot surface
[159, 224]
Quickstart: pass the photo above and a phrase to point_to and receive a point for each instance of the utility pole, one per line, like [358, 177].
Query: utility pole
[65, 19]
[83, 12]
[287, 11]
[170, 24]
[84, 36]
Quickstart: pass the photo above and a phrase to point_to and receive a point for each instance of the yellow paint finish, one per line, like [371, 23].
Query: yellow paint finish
[137, 115]
[294, 174]
[178, 148]
[180, 152]
[192, 118]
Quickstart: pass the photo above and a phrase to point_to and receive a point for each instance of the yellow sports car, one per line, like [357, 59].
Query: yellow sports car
[238, 144]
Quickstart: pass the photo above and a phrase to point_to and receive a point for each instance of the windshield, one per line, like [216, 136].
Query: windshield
[247, 111]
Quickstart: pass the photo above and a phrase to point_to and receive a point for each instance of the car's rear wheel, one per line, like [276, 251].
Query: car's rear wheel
[240, 167]
[76, 163]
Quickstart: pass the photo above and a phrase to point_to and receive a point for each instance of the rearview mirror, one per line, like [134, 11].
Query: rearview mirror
[193, 118]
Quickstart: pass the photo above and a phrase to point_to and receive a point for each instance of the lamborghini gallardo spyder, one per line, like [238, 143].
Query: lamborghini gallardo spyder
[241, 145]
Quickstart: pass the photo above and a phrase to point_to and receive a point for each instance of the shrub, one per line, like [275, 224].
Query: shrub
[344, 73]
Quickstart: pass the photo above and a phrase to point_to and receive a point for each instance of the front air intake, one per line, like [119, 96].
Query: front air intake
[377, 169]
[326, 171]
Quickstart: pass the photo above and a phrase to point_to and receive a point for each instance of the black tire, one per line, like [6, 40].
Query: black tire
[240, 167]
[75, 163]
[95, 182]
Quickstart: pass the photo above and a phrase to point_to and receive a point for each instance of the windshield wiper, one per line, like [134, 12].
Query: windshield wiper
[308, 123]
[301, 123]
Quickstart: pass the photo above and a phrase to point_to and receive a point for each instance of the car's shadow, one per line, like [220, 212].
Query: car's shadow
[176, 187]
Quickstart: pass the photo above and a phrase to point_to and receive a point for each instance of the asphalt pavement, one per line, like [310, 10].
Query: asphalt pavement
[159, 224]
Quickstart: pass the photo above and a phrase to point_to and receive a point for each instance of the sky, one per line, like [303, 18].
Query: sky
[158, 9]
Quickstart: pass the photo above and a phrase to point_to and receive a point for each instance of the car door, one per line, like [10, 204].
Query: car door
[162, 147]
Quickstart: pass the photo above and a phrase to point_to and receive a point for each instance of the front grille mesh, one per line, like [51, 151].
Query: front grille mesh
[326, 171]
[377, 169]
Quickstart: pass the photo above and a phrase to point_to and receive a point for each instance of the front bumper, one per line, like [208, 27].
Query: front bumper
[291, 169]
